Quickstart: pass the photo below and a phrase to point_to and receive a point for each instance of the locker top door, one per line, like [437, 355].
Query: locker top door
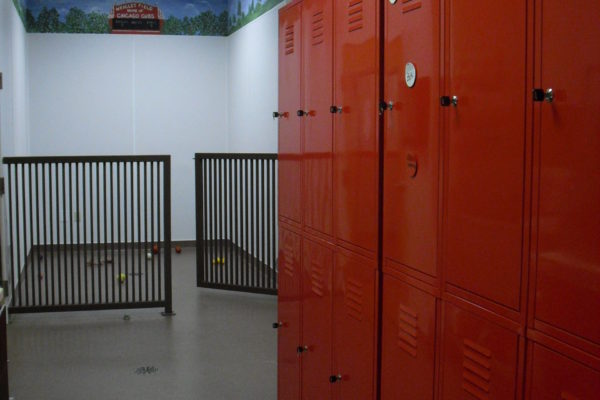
[290, 133]
[486, 148]
[411, 145]
[318, 125]
[356, 145]
[568, 251]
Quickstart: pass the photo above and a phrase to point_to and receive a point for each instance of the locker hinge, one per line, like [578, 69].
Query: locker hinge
[2, 189]
[1, 83]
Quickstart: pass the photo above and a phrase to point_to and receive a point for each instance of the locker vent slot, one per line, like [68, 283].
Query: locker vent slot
[353, 299]
[407, 330]
[287, 261]
[317, 284]
[289, 39]
[477, 365]
[355, 15]
[318, 28]
[410, 5]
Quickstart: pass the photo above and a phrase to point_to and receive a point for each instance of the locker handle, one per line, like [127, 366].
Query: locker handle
[277, 325]
[446, 101]
[335, 110]
[454, 101]
[383, 106]
[540, 95]
[335, 378]
[277, 114]
[301, 349]
[302, 113]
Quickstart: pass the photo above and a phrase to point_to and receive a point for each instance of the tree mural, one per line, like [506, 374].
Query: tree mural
[182, 17]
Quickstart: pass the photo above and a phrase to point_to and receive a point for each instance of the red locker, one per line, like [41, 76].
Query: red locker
[554, 376]
[567, 279]
[485, 147]
[288, 310]
[317, 276]
[290, 141]
[412, 126]
[480, 358]
[317, 20]
[356, 148]
[354, 340]
[408, 342]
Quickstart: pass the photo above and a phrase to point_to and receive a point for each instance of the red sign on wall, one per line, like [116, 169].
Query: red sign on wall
[136, 17]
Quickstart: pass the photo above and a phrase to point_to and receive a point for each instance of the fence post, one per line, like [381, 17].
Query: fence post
[167, 242]
[199, 220]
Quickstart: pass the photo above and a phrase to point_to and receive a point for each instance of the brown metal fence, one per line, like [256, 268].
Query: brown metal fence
[89, 232]
[236, 223]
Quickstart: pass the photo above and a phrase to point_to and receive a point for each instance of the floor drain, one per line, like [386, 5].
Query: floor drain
[146, 370]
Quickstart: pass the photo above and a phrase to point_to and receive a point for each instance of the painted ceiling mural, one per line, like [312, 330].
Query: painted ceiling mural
[169, 17]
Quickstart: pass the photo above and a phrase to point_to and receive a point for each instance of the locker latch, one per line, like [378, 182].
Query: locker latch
[277, 325]
[383, 106]
[446, 101]
[543, 95]
[335, 378]
[301, 349]
[302, 113]
[277, 114]
[335, 110]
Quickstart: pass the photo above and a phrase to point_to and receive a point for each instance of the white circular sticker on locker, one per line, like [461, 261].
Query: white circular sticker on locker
[410, 74]
[393, 1]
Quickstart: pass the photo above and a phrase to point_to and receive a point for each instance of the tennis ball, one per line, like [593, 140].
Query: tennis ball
[122, 278]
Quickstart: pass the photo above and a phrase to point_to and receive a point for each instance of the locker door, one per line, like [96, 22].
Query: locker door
[568, 259]
[316, 316]
[557, 377]
[354, 327]
[486, 147]
[411, 153]
[290, 144]
[318, 124]
[288, 310]
[408, 342]
[480, 358]
[356, 175]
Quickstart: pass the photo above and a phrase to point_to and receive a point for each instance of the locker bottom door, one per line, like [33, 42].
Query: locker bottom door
[317, 271]
[288, 315]
[555, 376]
[408, 342]
[354, 327]
[480, 358]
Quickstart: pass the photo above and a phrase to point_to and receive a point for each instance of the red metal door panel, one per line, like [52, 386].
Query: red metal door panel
[317, 290]
[411, 154]
[288, 310]
[568, 258]
[557, 377]
[318, 125]
[354, 326]
[356, 170]
[486, 148]
[290, 142]
[408, 342]
[480, 358]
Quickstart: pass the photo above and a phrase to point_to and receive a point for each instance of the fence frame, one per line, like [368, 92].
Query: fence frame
[167, 302]
[202, 280]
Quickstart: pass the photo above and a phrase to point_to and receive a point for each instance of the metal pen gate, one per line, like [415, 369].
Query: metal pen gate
[89, 233]
[236, 222]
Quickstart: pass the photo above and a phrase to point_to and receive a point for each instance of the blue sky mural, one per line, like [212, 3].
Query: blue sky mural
[181, 17]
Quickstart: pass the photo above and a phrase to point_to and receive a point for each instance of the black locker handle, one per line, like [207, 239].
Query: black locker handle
[445, 101]
[277, 325]
[335, 378]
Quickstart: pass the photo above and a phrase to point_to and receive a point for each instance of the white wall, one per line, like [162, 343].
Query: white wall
[253, 79]
[111, 94]
[14, 117]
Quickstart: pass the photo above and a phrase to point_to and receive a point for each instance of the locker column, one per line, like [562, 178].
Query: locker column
[564, 296]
